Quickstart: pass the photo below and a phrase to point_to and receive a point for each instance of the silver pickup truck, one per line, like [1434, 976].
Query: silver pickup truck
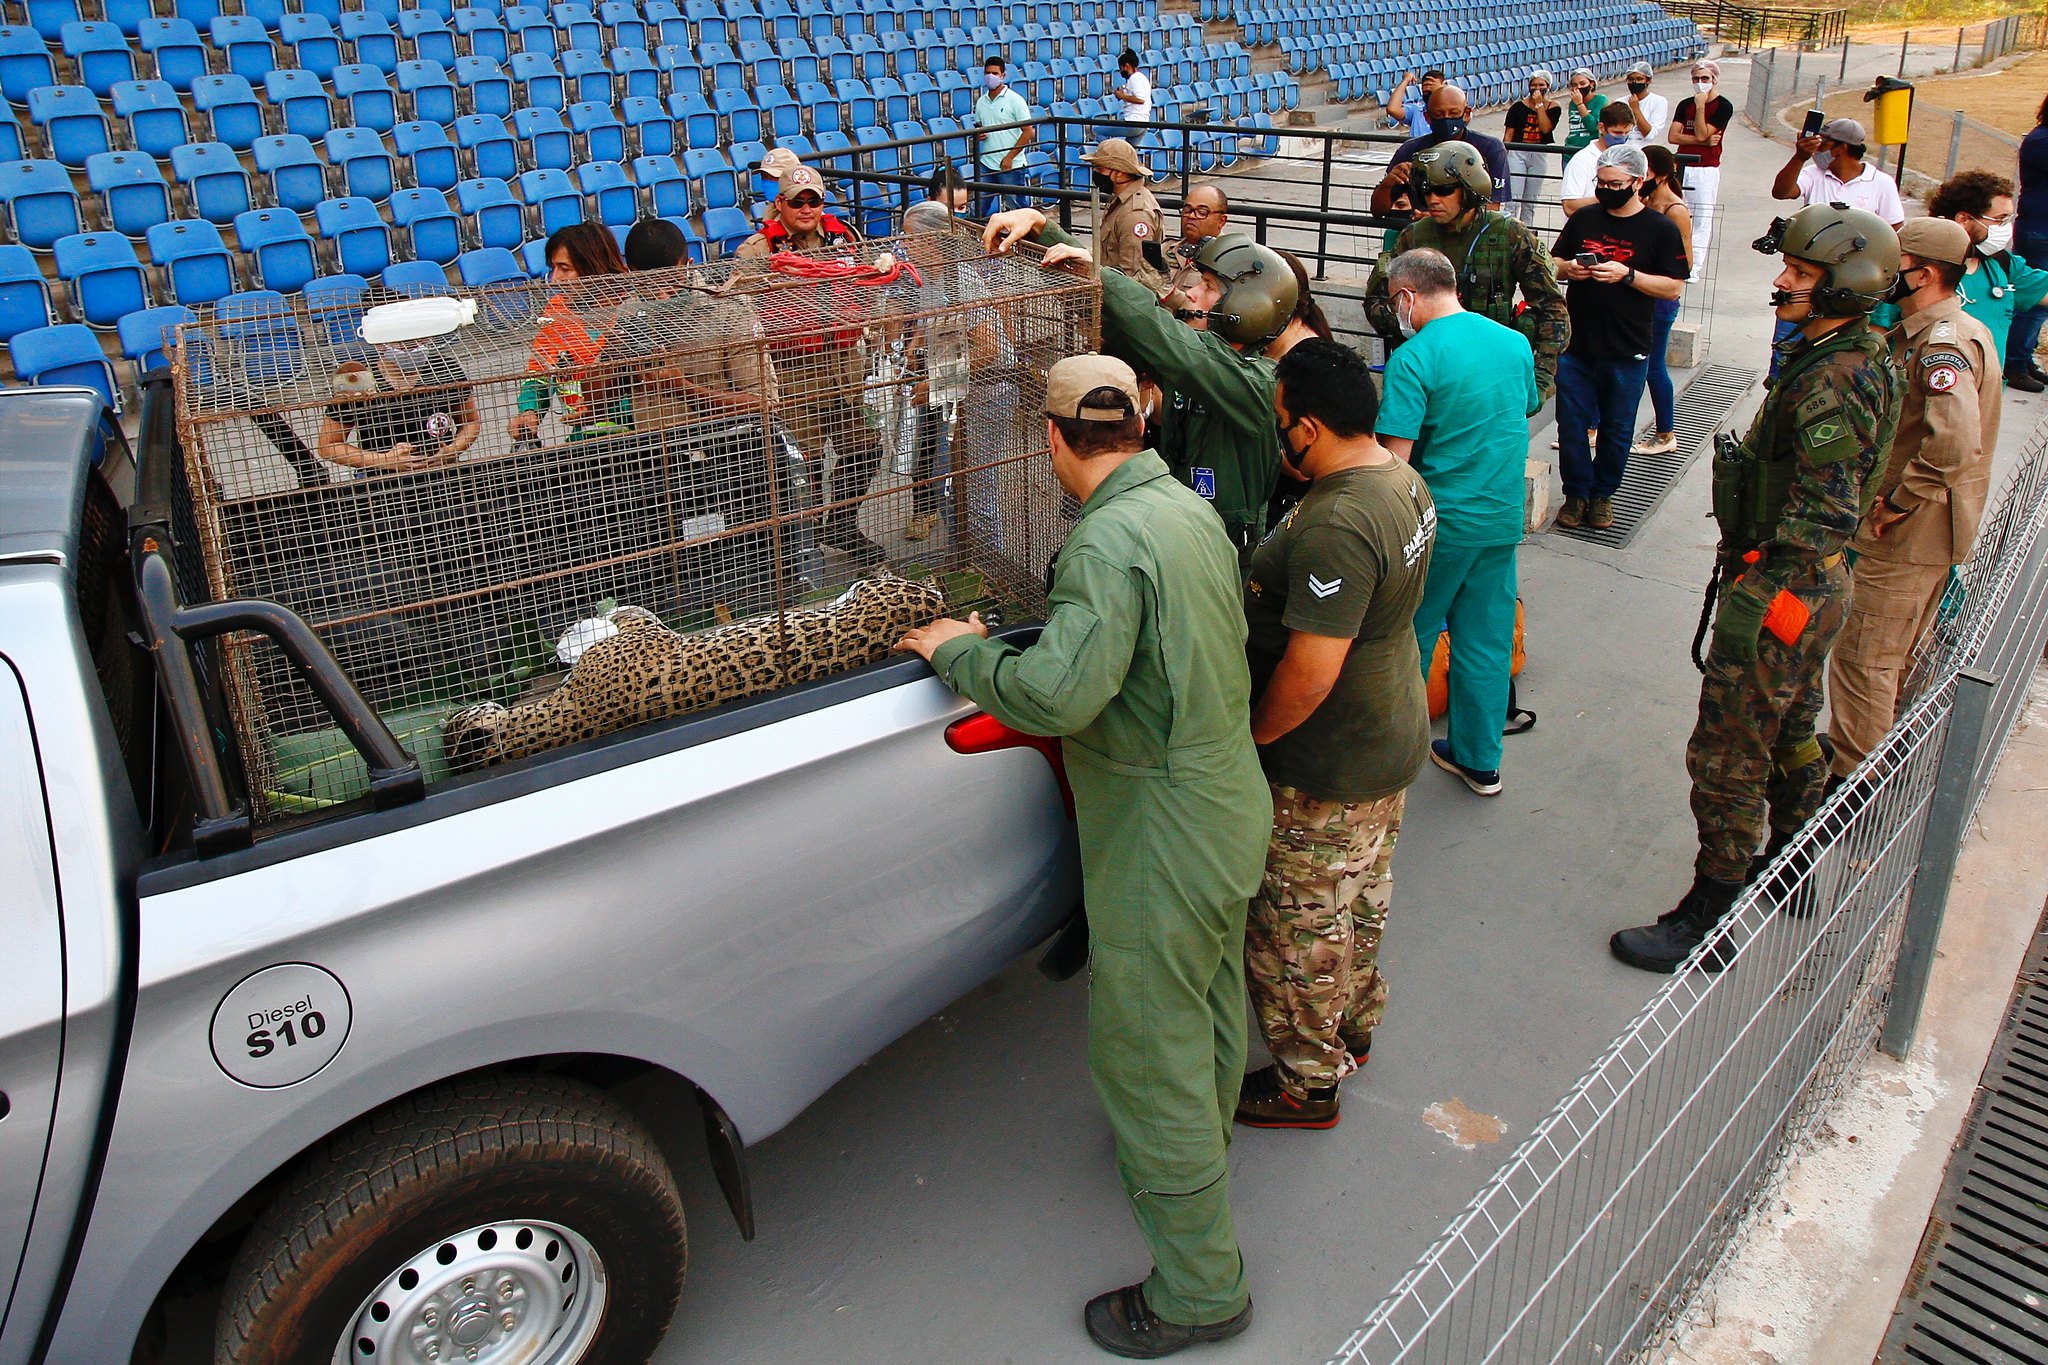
[369, 1074]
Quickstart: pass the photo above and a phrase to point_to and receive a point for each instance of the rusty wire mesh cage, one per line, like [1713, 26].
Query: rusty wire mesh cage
[753, 454]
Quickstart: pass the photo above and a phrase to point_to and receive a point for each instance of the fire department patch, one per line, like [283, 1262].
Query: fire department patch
[1141, 229]
[1941, 379]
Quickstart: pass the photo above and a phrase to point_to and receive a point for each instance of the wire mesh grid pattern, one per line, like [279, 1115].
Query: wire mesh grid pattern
[1602, 1229]
[727, 447]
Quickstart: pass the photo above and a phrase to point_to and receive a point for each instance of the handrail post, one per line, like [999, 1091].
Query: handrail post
[1941, 843]
[1323, 226]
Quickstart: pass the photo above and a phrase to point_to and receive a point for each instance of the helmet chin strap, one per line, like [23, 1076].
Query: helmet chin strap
[1781, 297]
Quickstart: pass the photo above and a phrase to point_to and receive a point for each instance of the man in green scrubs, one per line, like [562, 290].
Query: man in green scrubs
[1141, 670]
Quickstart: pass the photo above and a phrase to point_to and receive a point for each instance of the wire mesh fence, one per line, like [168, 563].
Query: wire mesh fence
[760, 470]
[1596, 1237]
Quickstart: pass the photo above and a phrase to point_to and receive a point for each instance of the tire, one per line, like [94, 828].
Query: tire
[481, 1180]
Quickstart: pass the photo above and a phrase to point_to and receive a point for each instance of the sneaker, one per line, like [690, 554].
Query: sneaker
[1665, 945]
[921, 525]
[1662, 443]
[1484, 783]
[1121, 1323]
[1572, 513]
[1599, 514]
[2024, 382]
[1265, 1103]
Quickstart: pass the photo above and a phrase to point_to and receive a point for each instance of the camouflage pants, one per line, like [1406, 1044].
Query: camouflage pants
[1753, 757]
[1312, 937]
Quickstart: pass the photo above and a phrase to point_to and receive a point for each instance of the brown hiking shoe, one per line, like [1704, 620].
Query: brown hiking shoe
[1264, 1103]
[1599, 513]
[1572, 513]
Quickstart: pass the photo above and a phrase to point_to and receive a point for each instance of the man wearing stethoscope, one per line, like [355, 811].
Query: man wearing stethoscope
[1998, 284]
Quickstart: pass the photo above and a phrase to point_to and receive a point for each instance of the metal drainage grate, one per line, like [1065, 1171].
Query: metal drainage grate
[1701, 407]
[1978, 1294]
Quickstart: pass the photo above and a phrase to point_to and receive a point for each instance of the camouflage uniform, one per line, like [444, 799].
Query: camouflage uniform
[1829, 418]
[1495, 255]
[1312, 938]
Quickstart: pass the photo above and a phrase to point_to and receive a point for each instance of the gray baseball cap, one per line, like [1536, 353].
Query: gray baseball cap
[1846, 130]
[1640, 69]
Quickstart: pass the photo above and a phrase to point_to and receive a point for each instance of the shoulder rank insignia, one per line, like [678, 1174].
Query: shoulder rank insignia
[1944, 330]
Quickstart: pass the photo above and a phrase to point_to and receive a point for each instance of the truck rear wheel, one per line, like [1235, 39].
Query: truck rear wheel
[506, 1218]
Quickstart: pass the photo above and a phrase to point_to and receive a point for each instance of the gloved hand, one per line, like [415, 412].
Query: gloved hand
[1738, 622]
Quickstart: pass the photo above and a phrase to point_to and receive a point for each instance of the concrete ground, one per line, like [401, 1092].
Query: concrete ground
[955, 1199]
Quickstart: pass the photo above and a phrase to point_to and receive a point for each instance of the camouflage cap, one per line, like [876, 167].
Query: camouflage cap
[1936, 239]
[1091, 388]
[1117, 154]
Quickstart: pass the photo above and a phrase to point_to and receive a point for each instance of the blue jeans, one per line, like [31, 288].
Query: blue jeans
[1662, 399]
[2026, 327]
[995, 203]
[1596, 393]
[1471, 592]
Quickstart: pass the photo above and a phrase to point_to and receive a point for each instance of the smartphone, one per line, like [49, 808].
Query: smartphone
[1814, 119]
[1585, 260]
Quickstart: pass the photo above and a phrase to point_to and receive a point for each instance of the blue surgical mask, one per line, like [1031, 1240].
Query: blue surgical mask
[1613, 139]
[994, 79]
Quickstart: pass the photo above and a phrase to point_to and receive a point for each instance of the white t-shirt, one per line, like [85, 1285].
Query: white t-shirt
[1141, 112]
[1873, 190]
[1656, 109]
[1580, 169]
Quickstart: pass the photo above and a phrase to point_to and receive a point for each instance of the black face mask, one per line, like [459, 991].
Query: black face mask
[1104, 183]
[1901, 286]
[1613, 198]
[1638, 87]
[1447, 129]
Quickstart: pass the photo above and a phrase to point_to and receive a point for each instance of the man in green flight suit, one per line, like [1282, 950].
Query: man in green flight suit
[1217, 436]
[1788, 498]
[1141, 670]
[1494, 254]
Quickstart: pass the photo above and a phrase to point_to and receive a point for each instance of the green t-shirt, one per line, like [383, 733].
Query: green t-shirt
[1579, 129]
[1462, 389]
[1349, 561]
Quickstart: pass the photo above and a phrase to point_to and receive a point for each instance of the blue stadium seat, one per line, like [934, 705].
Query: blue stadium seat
[146, 336]
[301, 102]
[487, 202]
[611, 194]
[666, 187]
[433, 230]
[544, 139]
[372, 38]
[263, 330]
[489, 265]
[680, 68]
[64, 354]
[625, 24]
[48, 17]
[781, 113]
[73, 126]
[101, 54]
[482, 33]
[821, 104]
[215, 184]
[539, 80]
[492, 152]
[428, 36]
[693, 113]
[416, 278]
[530, 30]
[297, 175]
[862, 108]
[717, 183]
[365, 163]
[24, 297]
[269, 13]
[127, 15]
[175, 50]
[635, 73]
[708, 23]
[231, 109]
[586, 77]
[726, 228]
[488, 87]
[741, 118]
[336, 304]
[429, 94]
[553, 198]
[312, 41]
[194, 262]
[132, 192]
[246, 44]
[653, 131]
[25, 63]
[367, 95]
[279, 248]
[579, 27]
[723, 66]
[534, 257]
[425, 147]
[361, 242]
[598, 128]
[104, 277]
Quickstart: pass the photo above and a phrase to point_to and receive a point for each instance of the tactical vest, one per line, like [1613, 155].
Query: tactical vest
[800, 320]
[1753, 477]
[1486, 282]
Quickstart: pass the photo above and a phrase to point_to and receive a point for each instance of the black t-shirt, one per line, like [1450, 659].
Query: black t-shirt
[1524, 126]
[1720, 113]
[1612, 321]
[427, 416]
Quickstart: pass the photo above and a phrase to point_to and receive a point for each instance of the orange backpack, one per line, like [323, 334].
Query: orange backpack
[1517, 720]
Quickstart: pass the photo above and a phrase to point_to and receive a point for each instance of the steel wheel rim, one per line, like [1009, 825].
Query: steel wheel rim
[513, 1292]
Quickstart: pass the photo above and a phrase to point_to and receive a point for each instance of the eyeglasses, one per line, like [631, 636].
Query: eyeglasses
[807, 201]
[1610, 185]
[1197, 212]
[1995, 219]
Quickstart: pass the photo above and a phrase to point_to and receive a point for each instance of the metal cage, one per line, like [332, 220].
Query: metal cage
[458, 520]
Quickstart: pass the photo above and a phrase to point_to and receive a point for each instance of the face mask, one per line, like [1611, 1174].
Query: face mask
[1280, 430]
[1997, 238]
[1638, 87]
[1404, 318]
[1104, 183]
[1902, 286]
[1447, 129]
[1613, 139]
[1704, 87]
[995, 81]
[1823, 159]
[1614, 198]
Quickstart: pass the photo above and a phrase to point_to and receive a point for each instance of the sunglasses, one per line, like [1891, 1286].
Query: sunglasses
[807, 201]
[1440, 191]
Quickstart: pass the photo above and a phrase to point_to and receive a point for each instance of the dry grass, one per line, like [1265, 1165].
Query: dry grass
[2006, 100]
[1888, 18]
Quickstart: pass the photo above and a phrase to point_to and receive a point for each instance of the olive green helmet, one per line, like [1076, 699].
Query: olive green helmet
[1454, 163]
[1858, 249]
[1259, 292]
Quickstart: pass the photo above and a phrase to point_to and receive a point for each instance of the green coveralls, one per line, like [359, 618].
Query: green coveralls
[1219, 435]
[1141, 669]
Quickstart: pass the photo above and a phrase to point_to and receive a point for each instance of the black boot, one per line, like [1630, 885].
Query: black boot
[1776, 845]
[1123, 1324]
[1665, 945]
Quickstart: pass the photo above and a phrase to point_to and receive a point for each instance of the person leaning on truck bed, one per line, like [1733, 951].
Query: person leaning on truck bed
[412, 408]
[1141, 670]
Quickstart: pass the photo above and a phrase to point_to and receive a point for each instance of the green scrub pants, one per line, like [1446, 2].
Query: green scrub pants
[1471, 590]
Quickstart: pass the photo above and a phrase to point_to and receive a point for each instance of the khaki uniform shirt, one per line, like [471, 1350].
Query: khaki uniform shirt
[838, 365]
[1948, 428]
[710, 342]
[1131, 222]
[1182, 275]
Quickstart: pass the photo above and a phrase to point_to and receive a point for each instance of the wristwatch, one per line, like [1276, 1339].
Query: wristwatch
[1629, 279]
